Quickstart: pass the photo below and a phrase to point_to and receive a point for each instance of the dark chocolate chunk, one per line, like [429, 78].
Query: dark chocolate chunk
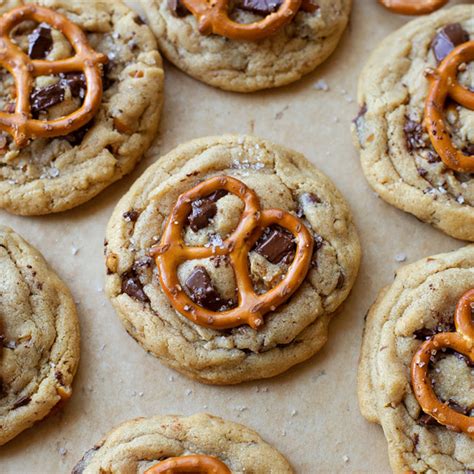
[131, 216]
[424, 333]
[276, 245]
[76, 81]
[178, 9]
[469, 149]
[456, 407]
[261, 7]
[80, 467]
[447, 39]
[427, 420]
[138, 20]
[340, 281]
[40, 42]
[43, 99]
[414, 135]
[22, 401]
[203, 210]
[202, 291]
[76, 137]
[132, 286]
[3, 389]
[59, 377]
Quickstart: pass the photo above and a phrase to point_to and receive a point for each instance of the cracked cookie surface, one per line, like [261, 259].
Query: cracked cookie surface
[246, 66]
[39, 337]
[420, 303]
[397, 157]
[53, 175]
[139, 444]
[282, 179]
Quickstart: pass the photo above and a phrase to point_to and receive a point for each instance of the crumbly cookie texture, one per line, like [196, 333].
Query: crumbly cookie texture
[39, 337]
[294, 331]
[137, 445]
[246, 66]
[52, 175]
[396, 153]
[420, 303]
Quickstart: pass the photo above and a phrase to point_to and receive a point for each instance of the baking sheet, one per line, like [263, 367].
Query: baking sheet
[310, 413]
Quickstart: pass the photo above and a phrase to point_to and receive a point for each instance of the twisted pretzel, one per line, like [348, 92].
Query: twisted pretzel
[172, 252]
[413, 7]
[23, 69]
[196, 464]
[444, 84]
[461, 341]
[213, 17]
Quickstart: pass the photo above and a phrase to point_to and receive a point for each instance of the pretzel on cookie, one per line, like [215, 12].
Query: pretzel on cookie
[19, 124]
[413, 7]
[444, 84]
[172, 252]
[195, 463]
[461, 341]
[213, 17]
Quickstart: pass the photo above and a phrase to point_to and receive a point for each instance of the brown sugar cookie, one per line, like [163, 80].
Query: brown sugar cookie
[145, 444]
[416, 368]
[189, 317]
[39, 337]
[40, 173]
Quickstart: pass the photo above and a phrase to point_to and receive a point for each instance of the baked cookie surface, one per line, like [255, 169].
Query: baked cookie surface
[419, 304]
[282, 179]
[246, 66]
[56, 174]
[397, 155]
[39, 337]
[139, 444]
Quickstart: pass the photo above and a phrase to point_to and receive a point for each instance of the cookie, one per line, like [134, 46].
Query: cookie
[397, 154]
[140, 444]
[418, 309]
[292, 330]
[55, 174]
[246, 66]
[39, 337]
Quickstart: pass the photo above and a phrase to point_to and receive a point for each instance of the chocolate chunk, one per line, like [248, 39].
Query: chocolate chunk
[76, 137]
[202, 291]
[131, 216]
[360, 114]
[427, 420]
[59, 377]
[469, 149]
[3, 389]
[414, 135]
[261, 7]
[203, 210]
[276, 245]
[447, 39]
[178, 9]
[132, 286]
[340, 281]
[76, 81]
[40, 42]
[456, 407]
[80, 467]
[424, 333]
[21, 402]
[138, 20]
[43, 99]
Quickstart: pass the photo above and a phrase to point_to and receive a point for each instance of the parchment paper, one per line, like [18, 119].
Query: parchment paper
[310, 413]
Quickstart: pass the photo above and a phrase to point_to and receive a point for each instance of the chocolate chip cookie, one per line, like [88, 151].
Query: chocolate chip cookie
[398, 155]
[284, 305]
[417, 308]
[138, 445]
[46, 175]
[246, 66]
[39, 337]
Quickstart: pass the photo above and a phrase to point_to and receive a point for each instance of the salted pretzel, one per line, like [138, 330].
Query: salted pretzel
[413, 7]
[23, 69]
[195, 463]
[444, 84]
[172, 252]
[461, 341]
[213, 17]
